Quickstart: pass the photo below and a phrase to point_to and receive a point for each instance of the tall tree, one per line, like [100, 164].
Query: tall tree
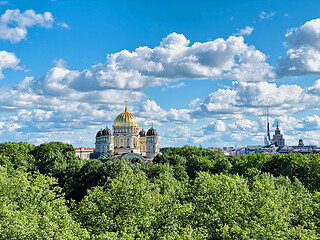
[32, 207]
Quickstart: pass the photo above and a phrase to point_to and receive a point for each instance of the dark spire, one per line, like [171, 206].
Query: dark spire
[268, 127]
[277, 131]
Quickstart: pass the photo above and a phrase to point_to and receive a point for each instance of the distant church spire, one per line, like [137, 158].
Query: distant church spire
[268, 125]
[267, 139]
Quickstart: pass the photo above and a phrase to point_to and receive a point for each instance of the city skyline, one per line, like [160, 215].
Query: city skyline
[202, 72]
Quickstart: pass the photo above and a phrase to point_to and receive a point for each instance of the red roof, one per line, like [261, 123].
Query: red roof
[86, 149]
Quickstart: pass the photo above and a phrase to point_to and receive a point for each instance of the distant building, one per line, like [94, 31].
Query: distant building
[229, 151]
[278, 139]
[126, 140]
[270, 149]
[84, 153]
[301, 148]
[301, 144]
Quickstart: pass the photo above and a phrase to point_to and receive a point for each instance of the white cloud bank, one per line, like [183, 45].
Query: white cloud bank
[253, 98]
[72, 95]
[174, 60]
[303, 55]
[66, 99]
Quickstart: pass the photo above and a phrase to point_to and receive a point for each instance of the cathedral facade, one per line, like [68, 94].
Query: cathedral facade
[126, 138]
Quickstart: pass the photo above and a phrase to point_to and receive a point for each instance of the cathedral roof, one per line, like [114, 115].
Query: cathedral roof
[142, 133]
[126, 119]
[99, 133]
[106, 132]
[152, 132]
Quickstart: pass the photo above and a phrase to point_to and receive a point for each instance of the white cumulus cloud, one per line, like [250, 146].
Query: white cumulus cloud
[303, 55]
[14, 24]
[8, 60]
[174, 59]
[150, 110]
[245, 98]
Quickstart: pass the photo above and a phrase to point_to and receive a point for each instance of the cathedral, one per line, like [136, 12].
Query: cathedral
[126, 139]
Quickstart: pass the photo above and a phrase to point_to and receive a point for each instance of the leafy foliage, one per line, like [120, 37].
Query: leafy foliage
[17, 154]
[188, 193]
[32, 207]
[133, 207]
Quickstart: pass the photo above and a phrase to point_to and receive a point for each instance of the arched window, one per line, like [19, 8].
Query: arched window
[117, 143]
[135, 143]
[154, 148]
[121, 142]
[128, 142]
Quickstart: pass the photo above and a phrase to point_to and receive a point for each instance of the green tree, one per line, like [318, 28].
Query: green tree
[96, 173]
[53, 158]
[229, 207]
[32, 207]
[18, 154]
[132, 207]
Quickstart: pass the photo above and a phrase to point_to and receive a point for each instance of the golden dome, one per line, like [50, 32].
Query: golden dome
[126, 119]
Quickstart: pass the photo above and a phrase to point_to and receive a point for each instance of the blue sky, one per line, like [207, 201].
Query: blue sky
[203, 72]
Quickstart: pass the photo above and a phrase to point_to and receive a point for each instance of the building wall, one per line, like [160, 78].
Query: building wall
[104, 143]
[152, 146]
[83, 153]
[278, 139]
[126, 140]
[143, 146]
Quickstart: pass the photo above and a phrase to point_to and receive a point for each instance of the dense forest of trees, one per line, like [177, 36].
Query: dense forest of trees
[46, 192]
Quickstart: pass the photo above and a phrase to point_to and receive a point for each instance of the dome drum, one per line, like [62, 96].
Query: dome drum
[134, 130]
